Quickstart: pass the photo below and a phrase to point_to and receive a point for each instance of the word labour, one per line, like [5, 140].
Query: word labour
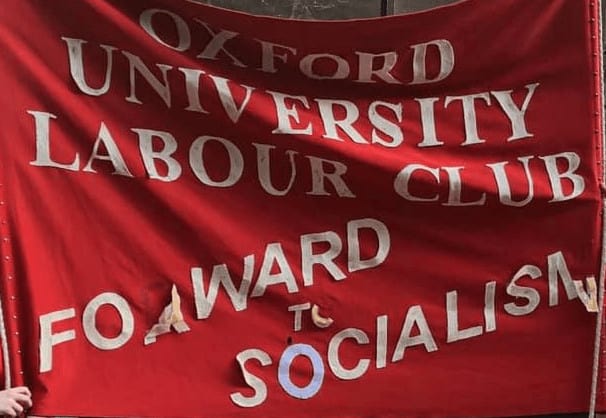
[222, 163]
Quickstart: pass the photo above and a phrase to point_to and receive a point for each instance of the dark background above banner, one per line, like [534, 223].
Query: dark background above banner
[328, 9]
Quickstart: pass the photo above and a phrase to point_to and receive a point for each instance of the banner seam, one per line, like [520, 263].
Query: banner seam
[9, 332]
[596, 27]
[11, 351]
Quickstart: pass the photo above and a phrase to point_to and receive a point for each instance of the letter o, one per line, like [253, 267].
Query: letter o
[286, 360]
[89, 321]
[145, 20]
[236, 161]
[307, 67]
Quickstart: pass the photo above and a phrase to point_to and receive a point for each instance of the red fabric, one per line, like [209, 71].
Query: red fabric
[76, 234]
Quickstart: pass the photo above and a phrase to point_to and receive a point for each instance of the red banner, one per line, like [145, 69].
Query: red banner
[211, 214]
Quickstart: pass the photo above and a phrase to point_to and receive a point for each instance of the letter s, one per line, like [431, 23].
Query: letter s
[253, 381]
